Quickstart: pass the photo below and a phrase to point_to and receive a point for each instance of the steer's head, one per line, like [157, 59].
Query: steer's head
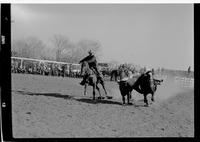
[157, 82]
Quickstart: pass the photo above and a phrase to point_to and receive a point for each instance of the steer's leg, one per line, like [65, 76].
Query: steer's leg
[152, 98]
[122, 94]
[123, 99]
[94, 87]
[128, 97]
[145, 100]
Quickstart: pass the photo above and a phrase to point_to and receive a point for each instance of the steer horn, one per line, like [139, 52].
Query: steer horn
[158, 82]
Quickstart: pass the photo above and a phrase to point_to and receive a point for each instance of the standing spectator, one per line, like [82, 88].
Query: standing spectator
[63, 70]
[153, 71]
[189, 70]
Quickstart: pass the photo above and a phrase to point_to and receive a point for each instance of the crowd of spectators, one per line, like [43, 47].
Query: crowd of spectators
[44, 68]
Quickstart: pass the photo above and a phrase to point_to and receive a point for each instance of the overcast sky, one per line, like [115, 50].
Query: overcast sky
[152, 35]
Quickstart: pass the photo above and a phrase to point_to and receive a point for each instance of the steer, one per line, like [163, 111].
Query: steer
[145, 84]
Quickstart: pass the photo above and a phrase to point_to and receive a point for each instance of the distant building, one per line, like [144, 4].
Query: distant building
[103, 66]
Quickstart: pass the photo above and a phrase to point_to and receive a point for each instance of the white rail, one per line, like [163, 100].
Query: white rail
[48, 61]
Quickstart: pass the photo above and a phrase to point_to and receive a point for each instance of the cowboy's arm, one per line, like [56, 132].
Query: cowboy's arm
[85, 59]
[92, 59]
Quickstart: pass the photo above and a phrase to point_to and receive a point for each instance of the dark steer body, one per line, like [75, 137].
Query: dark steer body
[144, 84]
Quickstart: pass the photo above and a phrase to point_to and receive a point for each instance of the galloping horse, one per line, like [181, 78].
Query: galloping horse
[92, 80]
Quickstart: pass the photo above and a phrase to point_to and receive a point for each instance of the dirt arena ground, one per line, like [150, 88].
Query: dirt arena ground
[55, 107]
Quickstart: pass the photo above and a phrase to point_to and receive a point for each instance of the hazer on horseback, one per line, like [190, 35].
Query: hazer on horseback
[92, 62]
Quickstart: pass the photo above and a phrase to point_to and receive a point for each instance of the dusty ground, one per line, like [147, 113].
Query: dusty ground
[45, 107]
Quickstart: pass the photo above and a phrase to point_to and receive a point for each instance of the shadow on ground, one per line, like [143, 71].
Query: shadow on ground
[64, 96]
[57, 95]
[86, 100]
[138, 103]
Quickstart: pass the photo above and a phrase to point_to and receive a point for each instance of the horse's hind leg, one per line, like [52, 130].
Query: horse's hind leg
[100, 97]
[152, 97]
[102, 83]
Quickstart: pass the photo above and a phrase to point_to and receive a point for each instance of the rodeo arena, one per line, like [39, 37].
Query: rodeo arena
[48, 101]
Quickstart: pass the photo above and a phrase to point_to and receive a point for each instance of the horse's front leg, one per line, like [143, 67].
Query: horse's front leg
[152, 97]
[85, 89]
[123, 99]
[128, 97]
[102, 83]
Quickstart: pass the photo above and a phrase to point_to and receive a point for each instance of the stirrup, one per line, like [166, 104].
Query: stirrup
[82, 83]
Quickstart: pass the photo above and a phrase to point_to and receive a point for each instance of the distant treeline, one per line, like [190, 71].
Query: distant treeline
[59, 48]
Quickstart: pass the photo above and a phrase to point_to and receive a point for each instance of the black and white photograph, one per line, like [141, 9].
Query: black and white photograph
[102, 70]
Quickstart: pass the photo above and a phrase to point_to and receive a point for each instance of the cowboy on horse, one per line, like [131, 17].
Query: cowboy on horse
[92, 62]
